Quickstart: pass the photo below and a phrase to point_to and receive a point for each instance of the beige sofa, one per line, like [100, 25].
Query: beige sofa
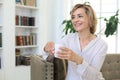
[110, 68]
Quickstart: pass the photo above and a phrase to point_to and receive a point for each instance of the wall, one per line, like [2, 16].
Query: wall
[51, 17]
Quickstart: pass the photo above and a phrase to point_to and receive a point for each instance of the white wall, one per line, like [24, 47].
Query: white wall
[51, 17]
[8, 40]
[52, 13]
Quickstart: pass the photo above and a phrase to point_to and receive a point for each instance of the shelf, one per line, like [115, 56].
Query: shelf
[23, 66]
[30, 46]
[34, 27]
[27, 7]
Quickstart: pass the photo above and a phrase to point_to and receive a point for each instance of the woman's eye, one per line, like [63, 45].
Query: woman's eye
[80, 16]
[72, 17]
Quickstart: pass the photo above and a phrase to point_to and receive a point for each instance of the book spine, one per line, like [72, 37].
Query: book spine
[31, 3]
[31, 21]
[0, 39]
[17, 20]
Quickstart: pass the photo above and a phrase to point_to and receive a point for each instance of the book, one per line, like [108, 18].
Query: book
[18, 60]
[24, 20]
[31, 21]
[19, 41]
[17, 20]
[34, 38]
[31, 3]
[0, 39]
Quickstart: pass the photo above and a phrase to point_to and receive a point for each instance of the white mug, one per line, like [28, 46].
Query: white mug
[57, 46]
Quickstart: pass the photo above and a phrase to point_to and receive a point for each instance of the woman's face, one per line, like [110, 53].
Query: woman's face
[80, 20]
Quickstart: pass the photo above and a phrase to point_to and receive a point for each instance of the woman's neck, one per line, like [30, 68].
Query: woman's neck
[85, 39]
[85, 36]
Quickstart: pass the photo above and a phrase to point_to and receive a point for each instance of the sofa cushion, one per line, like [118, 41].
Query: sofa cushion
[41, 69]
[111, 67]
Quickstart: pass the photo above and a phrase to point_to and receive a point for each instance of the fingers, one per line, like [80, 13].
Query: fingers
[49, 47]
[64, 49]
[65, 53]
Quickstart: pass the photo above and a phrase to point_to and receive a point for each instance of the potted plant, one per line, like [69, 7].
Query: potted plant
[111, 25]
[68, 28]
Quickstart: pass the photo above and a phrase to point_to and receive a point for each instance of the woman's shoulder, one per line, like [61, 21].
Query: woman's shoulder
[102, 41]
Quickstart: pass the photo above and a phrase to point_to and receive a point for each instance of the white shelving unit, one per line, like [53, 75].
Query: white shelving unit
[8, 11]
[25, 30]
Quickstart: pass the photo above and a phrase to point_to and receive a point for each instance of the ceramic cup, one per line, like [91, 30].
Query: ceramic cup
[57, 46]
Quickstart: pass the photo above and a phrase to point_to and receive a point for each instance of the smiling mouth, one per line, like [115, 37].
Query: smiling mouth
[78, 24]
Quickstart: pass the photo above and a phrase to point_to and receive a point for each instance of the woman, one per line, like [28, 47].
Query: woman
[84, 50]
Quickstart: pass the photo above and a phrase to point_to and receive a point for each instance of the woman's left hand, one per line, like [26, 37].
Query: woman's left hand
[68, 54]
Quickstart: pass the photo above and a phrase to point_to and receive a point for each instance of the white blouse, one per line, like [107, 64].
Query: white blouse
[93, 57]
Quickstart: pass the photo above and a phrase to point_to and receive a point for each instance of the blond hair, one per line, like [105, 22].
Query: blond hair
[90, 13]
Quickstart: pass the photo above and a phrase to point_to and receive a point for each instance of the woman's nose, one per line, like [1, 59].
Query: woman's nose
[76, 19]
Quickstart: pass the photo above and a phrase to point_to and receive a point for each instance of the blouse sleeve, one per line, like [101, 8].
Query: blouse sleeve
[92, 71]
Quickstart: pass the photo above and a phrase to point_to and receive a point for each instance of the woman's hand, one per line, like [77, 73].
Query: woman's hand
[49, 48]
[68, 54]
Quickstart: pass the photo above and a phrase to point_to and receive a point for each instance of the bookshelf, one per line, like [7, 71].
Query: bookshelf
[10, 30]
[25, 30]
[26, 37]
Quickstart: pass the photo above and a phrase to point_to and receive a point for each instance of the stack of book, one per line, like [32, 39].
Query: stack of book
[18, 57]
[25, 20]
[25, 59]
[22, 59]
[26, 40]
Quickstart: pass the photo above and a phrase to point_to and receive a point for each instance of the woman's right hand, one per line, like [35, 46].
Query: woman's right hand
[49, 48]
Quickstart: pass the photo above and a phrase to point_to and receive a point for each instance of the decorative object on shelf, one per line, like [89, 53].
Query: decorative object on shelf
[111, 25]
[25, 59]
[18, 1]
[27, 2]
[31, 3]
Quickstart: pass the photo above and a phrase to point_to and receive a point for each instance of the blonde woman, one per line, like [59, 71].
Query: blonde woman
[84, 50]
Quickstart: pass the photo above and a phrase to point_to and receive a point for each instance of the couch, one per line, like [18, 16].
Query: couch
[110, 68]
